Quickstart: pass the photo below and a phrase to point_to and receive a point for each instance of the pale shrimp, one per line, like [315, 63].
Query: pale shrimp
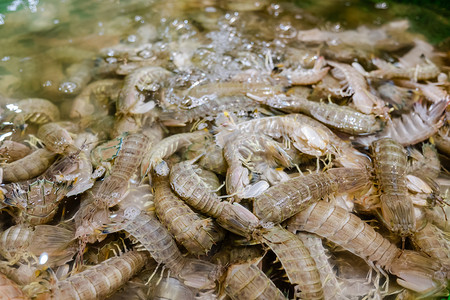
[155, 238]
[431, 91]
[209, 91]
[125, 165]
[390, 163]
[168, 146]
[95, 98]
[56, 138]
[415, 271]
[229, 255]
[343, 118]
[412, 128]
[33, 110]
[132, 97]
[306, 134]
[47, 245]
[28, 167]
[355, 84]
[22, 274]
[9, 290]
[244, 150]
[297, 262]
[172, 288]
[197, 235]
[332, 288]
[11, 151]
[442, 139]
[212, 158]
[208, 110]
[37, 200]
[426, 163]
[301, 76]
[191, 188]
[97, 282]
[434, 242]
[386, 70]
[401, 99]
[284, 200]
[246, 281]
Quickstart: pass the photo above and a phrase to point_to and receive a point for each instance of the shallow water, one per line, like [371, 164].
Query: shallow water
[41, 39]
[54, 49]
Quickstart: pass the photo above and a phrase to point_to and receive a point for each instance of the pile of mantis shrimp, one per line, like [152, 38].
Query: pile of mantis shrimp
[216, 163]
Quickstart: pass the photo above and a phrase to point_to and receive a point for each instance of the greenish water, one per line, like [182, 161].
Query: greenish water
[40, 39]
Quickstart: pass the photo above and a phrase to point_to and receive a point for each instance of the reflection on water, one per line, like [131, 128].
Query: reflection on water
[44, 42]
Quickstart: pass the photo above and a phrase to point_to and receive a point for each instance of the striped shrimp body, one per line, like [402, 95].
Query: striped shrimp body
[307, 135]
[195, 234]
[9, 290]
[20, 242]
[246, 281]
[306, 77]
[232, 88]
[412, 128]
[56, 138]
[390, 163]
[356, 85]
[95, 97]
[186, 182]
[433, 242]
[125, 165]
[97, 282]
[208, 110]
[37, 200]
[168, 146]
[11, 151]
[420, 72]
[415, 271]
[28, 167]
[332, 288]
[297, 262]
[343, 118]
[284, 200]
[155, 238]
[132, 98]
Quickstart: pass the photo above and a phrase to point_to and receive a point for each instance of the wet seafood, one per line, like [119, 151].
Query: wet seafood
[125, 165]
[132, 98]
[415, 272]
[56, 138]
[297, 262]
[11, 151]
[356, 86]
[169, 146]
[390, 162]
[419, 72]
[28, 167]
[44, 244]
[190, 187]
[99, 281]
[247, 281]
[9, 290]
[342, 118]
[155, 238]
[284, 200]
[197, 235]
